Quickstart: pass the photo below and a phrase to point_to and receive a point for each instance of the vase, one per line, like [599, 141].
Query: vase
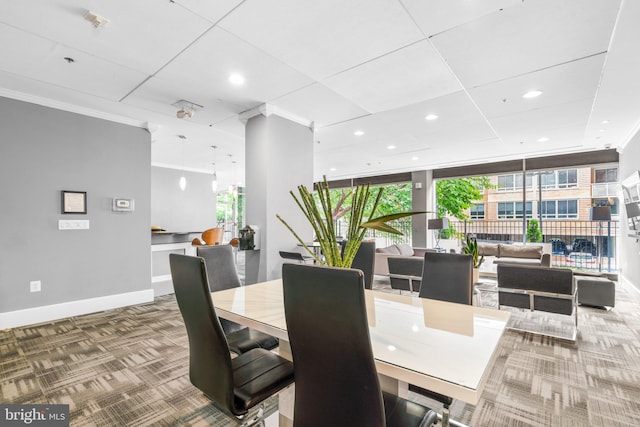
[476, 275]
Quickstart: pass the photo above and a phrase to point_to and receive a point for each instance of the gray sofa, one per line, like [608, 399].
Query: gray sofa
[506, 253]
[397, 250]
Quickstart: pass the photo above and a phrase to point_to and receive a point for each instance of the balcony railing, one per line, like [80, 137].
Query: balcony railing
[592, 243]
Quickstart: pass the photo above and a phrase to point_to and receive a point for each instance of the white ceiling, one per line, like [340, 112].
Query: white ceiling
[379, 66]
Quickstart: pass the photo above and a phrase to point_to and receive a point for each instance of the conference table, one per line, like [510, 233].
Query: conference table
[440, 346]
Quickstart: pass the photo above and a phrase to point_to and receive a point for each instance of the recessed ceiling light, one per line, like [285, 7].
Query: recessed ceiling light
[602, 130]
[543, 139]
[236, 79]
[415, 158]
[332, 169]
[430, 117]
[358, 133]
[604, 122]
[391, 147]
[532, 94]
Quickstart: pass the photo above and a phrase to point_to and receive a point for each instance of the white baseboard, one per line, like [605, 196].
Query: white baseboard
[47, 313]
[628, 283]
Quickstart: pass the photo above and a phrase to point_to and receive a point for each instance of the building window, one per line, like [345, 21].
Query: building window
[606, 175]
[513, 182]
[559, 209]
[477, 211]
[567, 178]
[608, 202]
[512, 210]
[559, 179]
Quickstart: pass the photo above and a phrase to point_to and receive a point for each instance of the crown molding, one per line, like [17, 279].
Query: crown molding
[270, 109]
[72, 108]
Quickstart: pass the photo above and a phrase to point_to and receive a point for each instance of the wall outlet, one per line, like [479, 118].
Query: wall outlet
[35, 286]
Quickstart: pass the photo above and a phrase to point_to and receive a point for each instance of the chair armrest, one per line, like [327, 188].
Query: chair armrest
[546, 260]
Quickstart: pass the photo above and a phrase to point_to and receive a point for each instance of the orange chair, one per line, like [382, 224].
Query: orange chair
[213, 236]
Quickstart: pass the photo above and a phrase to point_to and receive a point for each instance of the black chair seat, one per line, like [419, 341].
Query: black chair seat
[400, 412]
[258, 374]
[243, 340]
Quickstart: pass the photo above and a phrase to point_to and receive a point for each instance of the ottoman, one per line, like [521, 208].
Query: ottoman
[596, 291]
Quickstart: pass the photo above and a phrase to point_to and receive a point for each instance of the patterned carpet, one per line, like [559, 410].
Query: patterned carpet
[129, 366]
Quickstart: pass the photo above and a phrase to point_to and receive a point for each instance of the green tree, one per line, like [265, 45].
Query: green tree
[533, 231]
[454, 196]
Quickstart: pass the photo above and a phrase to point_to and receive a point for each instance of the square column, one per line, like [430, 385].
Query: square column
[278, 158]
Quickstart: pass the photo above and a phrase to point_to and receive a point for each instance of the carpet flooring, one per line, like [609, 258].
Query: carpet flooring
[129, 367]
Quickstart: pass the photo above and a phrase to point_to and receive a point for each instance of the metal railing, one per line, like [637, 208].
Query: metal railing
[383, 239]
[587, 245]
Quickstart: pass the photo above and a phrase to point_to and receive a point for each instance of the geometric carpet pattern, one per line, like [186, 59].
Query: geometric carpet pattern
[129, 367]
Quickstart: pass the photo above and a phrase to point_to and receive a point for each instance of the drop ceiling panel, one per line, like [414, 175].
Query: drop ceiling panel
[319, 104]
[36, 58]
[528, 37]
[208, 63]
[210, 10]
[559, 85]
[436, 16]
[321, 38]
[142, 34]
[158, 95]
[405, 76]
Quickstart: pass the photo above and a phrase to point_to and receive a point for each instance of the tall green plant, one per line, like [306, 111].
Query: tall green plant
[471, 248]
[319, 210]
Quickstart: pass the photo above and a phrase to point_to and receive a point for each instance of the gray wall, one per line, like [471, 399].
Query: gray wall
[44, 151]
[629, 247]
[279, 157]
[193, 209]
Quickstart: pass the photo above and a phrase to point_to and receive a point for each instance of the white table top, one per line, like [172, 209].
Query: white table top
[444, 347]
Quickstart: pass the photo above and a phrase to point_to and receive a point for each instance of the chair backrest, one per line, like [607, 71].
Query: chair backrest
[543, 279]
[291, 255]
[209, 357]
[213, 236]
[407, 266]
[365, 260]
[447, 277]
[222, 274]
[335, 374]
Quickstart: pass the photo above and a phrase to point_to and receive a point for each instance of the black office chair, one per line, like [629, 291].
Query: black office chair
[295, 256]
[237, 384]
[222, 274]
[336, 378]
[365, 260]
[405, 273]
[447, 277]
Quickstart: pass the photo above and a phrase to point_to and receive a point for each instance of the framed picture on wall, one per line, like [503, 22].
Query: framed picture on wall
[74, 202]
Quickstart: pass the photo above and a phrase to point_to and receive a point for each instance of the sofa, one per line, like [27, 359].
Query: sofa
[532, 255]
[397, 250]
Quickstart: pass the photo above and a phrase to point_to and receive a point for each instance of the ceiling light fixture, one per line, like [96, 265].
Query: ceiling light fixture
[214, 182]
[430, 117]
[532, 94]
[236, 79]
[543, 139]
[415, 158]
[332, 169]
[186, 109]
[96, 20]
[358, 133]
[391, 147]
[604, 122]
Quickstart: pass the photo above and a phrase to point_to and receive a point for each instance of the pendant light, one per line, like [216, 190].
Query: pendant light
[183, 179]
[214, 182]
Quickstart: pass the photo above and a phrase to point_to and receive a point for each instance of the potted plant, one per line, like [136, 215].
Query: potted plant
[318, 210]
[471, 248]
